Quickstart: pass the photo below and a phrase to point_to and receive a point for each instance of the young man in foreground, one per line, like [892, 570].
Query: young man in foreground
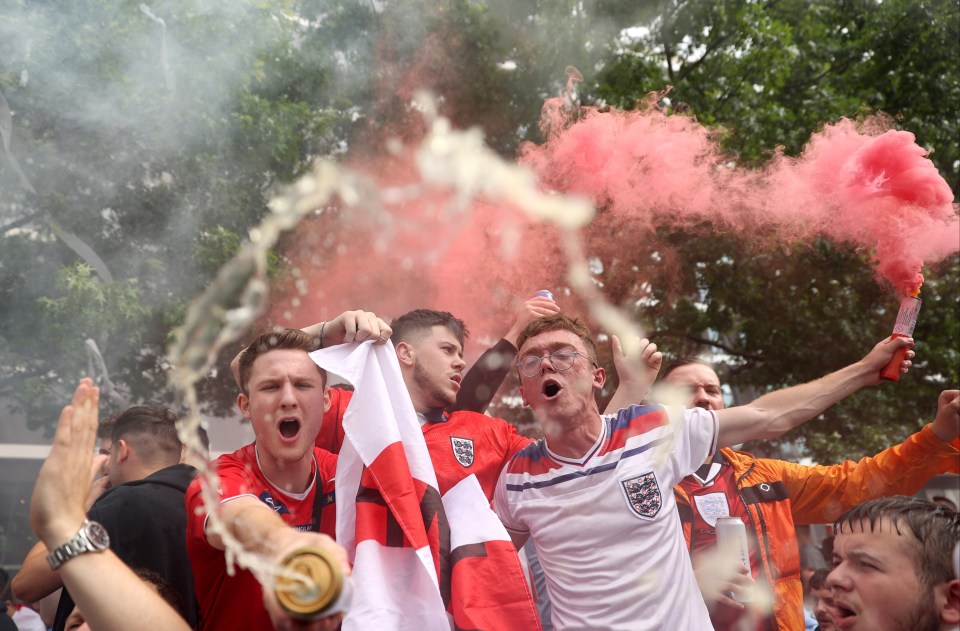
[274, 495]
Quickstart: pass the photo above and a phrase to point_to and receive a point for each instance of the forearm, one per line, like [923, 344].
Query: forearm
[117, 597]
[35, 580]
[484, 378]
[778, 412]
[254, 525]
[819, 494]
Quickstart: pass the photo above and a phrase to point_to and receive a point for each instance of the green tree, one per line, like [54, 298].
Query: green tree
[771, 73]
[141, 143]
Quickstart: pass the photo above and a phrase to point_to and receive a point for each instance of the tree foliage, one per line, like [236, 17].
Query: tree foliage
[148, 137]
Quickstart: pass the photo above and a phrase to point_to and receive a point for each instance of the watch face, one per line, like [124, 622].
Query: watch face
[97, 535]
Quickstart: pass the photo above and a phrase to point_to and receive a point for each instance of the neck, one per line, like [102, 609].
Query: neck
[292, 477]
[572, 441]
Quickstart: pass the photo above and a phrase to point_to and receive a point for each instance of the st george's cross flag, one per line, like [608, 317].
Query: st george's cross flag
[407, 557]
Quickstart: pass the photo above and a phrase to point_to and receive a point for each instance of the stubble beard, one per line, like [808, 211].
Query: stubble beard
[431, 389]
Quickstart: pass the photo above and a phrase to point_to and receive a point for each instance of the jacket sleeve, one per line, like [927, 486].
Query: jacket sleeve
[820, 494]
[484, 378]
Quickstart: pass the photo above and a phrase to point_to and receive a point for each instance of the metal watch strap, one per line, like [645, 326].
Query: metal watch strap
[77, 545]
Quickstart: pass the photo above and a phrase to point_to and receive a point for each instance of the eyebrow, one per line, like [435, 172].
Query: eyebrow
[863, 555]
[552, 347]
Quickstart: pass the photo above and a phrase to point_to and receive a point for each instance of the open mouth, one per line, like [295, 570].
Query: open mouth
[844, 617]
[289, 428]
[551, 388]
[457, 379]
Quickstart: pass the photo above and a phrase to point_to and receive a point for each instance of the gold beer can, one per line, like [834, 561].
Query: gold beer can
[313, 584]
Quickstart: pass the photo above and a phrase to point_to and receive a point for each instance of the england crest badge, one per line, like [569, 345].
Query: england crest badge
[462, 450]
[643, 495]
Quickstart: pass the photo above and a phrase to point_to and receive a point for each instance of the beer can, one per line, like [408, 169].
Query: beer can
[313, 585]
[544, 293]
[732, 541]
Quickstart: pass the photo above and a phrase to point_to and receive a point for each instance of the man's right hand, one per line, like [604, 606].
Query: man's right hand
[290, 541]
[57, 508]
[355, 326]
[720, 581]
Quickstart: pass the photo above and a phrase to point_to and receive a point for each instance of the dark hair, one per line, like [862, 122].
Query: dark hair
[818, 580]
[417, 323]
[559, 322]
[164, 588]
[680, 363]
[935, 530]
[279, 339]
[151, 430]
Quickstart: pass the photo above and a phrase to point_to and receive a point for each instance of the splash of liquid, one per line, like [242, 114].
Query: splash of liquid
[449, 162]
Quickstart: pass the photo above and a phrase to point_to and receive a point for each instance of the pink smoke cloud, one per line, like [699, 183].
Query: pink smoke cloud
[860, 183]
[863, 184]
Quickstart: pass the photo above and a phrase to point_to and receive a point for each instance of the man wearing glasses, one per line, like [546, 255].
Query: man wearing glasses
[595, 494]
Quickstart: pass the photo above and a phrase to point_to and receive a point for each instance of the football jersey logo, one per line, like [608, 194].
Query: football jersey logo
[643, 495]
[712, 506]
[462, 450]
[276, 505]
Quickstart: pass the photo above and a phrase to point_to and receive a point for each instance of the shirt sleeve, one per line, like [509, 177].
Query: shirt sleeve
[503, 507]
[695, 439]
[484, 378]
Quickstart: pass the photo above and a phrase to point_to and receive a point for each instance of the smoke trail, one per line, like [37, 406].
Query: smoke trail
[859, 183]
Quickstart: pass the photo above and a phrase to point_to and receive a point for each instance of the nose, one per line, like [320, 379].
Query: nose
[459, 364]
[838, 579]
[700, 398]
[288, 395]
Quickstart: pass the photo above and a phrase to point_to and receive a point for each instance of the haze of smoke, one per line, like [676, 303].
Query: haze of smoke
[860, 183]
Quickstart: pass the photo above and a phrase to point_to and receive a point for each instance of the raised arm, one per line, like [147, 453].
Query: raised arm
[349, 326]
[636, 373]
[483, 379]
[107, 591]
[776, 413]
[36, 580]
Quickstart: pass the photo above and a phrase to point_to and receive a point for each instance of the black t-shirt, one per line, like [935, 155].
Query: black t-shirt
[147, 523]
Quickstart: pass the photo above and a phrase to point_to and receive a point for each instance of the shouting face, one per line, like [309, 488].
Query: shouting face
[566, 385]
[435, 366]
[285, 403]
[875, 583]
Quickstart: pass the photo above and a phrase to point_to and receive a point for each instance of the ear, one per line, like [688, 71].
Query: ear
[599, 378]
[405, 354]
[123, 450]
[326, 399]
[243, 402]
[947, 599]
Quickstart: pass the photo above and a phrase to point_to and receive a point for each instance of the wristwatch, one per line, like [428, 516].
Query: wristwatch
[92, 537]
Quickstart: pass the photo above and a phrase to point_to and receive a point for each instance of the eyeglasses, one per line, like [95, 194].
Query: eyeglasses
[532, 365]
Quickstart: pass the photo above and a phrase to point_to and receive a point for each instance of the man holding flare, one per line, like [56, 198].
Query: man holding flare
[595, 494]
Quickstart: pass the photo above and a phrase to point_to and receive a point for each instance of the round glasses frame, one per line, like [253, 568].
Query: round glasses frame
[532, 365]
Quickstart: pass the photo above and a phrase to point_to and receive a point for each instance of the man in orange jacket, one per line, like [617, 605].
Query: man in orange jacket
[772, 496]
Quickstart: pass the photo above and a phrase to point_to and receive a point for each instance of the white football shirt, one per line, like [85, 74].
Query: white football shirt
[606, 527]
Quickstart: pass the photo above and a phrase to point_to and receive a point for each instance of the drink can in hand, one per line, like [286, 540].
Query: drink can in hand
[313, 585]
[732, 541]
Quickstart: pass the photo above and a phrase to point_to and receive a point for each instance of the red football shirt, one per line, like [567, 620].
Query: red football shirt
[236, 602]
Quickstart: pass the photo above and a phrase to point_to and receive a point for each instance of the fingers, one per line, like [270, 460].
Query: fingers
[616, 346]
[357, 326]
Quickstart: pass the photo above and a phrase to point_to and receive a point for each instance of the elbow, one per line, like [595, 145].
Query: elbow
[24, 591]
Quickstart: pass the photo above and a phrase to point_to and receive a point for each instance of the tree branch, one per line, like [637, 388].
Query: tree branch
[702, 342]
